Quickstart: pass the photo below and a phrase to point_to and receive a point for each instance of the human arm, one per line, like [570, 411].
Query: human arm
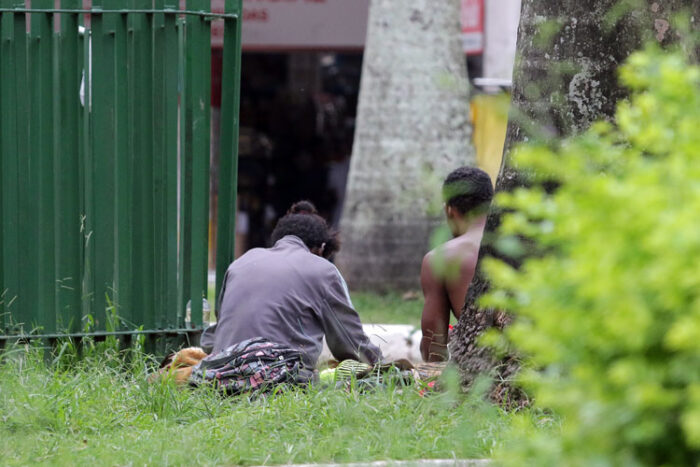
[342, 326]
[436, 315]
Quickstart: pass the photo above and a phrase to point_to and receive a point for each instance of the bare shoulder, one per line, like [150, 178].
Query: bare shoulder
[428, 277]
[427, 258]
[451, 263]
[460, 257]
[460, 248]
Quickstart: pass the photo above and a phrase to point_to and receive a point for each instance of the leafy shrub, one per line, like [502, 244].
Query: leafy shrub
[608, 308]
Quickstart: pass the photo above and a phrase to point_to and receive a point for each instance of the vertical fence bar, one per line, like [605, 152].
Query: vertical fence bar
[169, 112]
[56, 157]
[142, 134]
[185, 177]
[2, 163]
[25, 204]
[122, 175]
[9, 278]
[41, 168]
[198, 108]
[66, 162]
[228, 165]
[132, 148]
[82, 138]
[5, 50]
[158, 92]
[101, 197]
[147, 187]
[86, 179]
[27, 278]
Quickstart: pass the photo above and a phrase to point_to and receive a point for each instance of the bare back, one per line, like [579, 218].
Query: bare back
[463, 253]
[446, 273]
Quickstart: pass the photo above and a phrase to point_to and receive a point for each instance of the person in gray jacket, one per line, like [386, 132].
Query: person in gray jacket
[291, 294]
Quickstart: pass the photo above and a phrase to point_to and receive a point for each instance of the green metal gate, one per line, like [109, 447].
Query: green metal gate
[104, 164]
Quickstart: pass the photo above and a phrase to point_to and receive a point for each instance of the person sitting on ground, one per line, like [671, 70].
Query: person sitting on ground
[291, 294]
[448, 270]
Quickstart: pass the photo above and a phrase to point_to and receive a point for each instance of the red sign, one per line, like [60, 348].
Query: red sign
[473, 26]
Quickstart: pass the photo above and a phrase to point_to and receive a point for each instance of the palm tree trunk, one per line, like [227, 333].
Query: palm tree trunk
[565, 78]
[413, 120]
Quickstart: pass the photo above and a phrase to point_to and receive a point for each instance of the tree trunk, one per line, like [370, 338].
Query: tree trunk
[413, 121]
[565, 78]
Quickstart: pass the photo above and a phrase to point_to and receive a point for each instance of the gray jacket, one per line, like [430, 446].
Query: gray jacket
[290, 296]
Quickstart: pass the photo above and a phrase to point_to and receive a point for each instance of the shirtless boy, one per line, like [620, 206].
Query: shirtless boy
[448, 270]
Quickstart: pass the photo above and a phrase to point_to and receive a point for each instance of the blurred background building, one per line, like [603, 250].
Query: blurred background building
[302, 62]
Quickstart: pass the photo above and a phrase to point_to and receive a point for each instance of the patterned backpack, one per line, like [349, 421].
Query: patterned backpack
[254, 365]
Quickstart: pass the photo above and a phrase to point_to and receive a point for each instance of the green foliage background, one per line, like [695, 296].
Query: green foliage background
[608, 307]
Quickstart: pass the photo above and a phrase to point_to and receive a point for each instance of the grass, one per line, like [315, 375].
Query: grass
[100, 410]
[389, 308]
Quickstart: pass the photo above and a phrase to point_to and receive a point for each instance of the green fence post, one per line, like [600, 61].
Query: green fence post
[123, 200]
[25, 294]
[86, 205]
[158, 149]
[41, 169]
[142, 133]
[169, 112]
[2, 163]
[165, 82]
[160, 156]
[82, 139]
[185, 179]
[18, 274]
[66, 162]
[103, 162]
[9, 270]
[198, 110]
[5, 43]
[27, 242]
[228, 165]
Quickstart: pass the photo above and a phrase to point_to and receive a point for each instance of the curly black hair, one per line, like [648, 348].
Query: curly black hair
[469, 190]
[303, 221]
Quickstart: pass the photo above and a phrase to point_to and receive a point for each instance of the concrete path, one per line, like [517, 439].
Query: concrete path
[416, 463]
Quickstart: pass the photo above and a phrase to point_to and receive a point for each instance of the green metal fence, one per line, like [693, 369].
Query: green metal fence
[104, 164]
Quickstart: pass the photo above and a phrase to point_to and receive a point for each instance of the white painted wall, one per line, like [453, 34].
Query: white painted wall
[501, 30]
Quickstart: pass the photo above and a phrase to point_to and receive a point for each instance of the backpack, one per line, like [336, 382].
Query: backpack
[254, 365]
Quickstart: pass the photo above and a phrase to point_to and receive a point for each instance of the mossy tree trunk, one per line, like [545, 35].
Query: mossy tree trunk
[565, 78]
[413, 120]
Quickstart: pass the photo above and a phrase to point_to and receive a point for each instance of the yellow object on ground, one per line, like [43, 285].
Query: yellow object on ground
[179, 365]
[490, 121]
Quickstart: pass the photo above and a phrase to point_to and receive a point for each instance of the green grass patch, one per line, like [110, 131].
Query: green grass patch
[101, 411]
[388, 308]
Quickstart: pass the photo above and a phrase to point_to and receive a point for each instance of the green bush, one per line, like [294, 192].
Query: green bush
[607, 309]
